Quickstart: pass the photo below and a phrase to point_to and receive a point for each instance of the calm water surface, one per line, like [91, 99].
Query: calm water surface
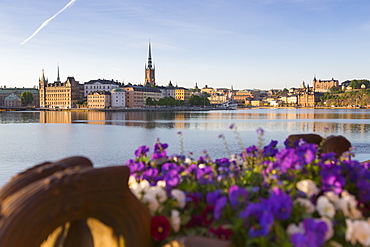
[110, 138]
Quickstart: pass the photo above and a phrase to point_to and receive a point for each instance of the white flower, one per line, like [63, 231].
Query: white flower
[158, 193]
[325, 207]
[361, 232]
[308, 186]
[139, 188]
[293, 228]
[348, 204]
[132, 182]
[180, 197]
[330, 232]
[309, 208]
[188, 161]
[161, 183]
[349, 231]
[152, 202]
[333, 197]
[143, 186]
[175, 220]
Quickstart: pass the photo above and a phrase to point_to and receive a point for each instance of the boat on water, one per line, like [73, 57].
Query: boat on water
[229, 105]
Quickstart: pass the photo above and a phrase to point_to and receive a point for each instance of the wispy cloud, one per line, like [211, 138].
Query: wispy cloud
[48, 20]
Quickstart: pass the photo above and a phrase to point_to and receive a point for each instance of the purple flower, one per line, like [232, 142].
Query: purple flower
[213, 196]
[363, 190]
[251, 151]
[281, 204]
[219, 205]
[136, 167]
[258, 218]
[172, 179]
[331, 178]
[314, 234]
[308, 152]
[142, 151]
[237, 196]
[270, 150]
[204, 175]
[260, 131]
[166, 167]
[231, 126]
[150, 175]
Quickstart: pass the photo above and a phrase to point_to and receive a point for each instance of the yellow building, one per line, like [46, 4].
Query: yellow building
[182, 94]
[136, 95]
[99, 99]
[324, 85]
[59, 94]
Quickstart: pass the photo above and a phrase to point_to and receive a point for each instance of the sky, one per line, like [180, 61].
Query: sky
[244, 44]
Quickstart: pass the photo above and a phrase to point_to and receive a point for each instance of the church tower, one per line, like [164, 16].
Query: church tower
[43, 83]
[150, 70]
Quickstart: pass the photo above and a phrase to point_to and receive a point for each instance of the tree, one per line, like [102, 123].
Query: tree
[26, 98]
[198, 101]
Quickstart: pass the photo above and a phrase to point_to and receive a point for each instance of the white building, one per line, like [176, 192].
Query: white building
[118, 97]
[100, 85]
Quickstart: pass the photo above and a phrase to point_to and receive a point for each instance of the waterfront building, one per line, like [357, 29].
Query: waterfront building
[207, 89]
[324, 85]
[59, 94]
[257, 103]
[5, 92]
[136, 95]
[149, 70]
[309, 99]
[182, 94]
[169, 91]
[12, 101]
[99, 99]
[100, 85]
[218, 98]
[243, 97]
[118, 96]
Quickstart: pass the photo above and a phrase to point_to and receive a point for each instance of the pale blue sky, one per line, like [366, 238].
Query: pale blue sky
[245, 43]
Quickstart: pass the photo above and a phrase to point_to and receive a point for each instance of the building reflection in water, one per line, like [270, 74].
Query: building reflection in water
[294, 121]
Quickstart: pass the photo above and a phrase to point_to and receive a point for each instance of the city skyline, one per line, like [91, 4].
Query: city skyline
[245, 44]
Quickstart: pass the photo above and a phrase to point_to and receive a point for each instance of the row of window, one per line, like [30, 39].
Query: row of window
[98, 87]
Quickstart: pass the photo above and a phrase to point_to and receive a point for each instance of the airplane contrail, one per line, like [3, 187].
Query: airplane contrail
[48, 20]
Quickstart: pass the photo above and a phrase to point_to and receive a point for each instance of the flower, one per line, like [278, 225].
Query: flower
[314, 233]
[180, 197]
[175, 220]
[291, 197]
[237, 196]
[325, 207]
[221, 232]
[281, 204]
[308, 187]
[258, 218]
[260, 131]
[142, 151]
[358, 231]
[306, 204]
[160, 227]
[152, 202]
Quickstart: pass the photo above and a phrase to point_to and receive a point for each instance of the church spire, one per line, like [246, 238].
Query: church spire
[149, 69]
[58, 77]
[43, 79]
[150, 57]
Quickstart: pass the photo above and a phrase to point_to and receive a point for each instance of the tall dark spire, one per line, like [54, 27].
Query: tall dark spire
[150, 57]
[58, 77]
[150, 69]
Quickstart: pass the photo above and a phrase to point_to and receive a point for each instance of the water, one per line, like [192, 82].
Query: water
[110, 138]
